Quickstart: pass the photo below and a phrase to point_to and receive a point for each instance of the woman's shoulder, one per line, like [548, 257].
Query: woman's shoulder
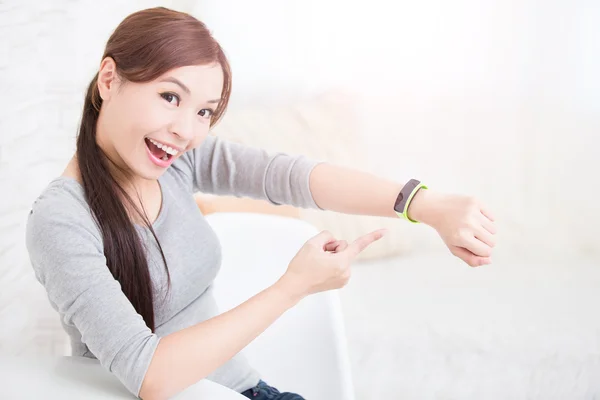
[61, 204]
[62, 193]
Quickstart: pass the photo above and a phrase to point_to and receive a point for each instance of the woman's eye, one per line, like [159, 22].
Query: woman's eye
[206, 113]
[171, 98]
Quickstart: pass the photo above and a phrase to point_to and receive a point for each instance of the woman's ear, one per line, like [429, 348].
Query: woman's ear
[107, 78]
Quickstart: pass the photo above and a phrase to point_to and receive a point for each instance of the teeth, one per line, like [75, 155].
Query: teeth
[166, 148]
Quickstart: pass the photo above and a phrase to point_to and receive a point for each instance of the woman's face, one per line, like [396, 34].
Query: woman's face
[144, 127]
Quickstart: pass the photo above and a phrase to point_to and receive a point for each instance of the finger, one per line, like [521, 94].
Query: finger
[330, 246]
[477, 247]
[487, 213]
[486, 237]
[471, 259]
[488, 225]
[337, 246]
[356, 247]
[322, 238]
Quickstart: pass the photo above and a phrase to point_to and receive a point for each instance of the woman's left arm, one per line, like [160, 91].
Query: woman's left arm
[225, 168]
[465, 225]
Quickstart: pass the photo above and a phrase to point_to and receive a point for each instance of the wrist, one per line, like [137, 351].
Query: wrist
[289, 289]
[421, 207]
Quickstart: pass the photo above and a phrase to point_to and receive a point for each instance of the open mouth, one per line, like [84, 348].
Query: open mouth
[159, 150]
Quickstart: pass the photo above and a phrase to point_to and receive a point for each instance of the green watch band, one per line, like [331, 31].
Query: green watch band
[405, 197]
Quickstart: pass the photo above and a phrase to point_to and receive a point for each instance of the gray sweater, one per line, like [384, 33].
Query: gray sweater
[66, 251]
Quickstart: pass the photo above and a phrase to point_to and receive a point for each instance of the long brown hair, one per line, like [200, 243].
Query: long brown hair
[144, 46]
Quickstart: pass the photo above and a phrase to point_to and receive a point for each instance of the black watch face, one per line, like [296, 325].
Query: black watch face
[406, 191]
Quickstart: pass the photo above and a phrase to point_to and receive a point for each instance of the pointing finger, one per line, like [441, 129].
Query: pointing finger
[356, 247]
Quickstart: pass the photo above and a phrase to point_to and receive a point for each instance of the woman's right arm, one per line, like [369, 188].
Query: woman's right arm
[183, 358]
[187, 356]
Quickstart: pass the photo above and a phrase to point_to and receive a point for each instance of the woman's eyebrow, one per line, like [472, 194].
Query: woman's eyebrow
[177, 82]
[184, 88]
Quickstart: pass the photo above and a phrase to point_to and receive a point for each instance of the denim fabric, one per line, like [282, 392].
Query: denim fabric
[262, 391]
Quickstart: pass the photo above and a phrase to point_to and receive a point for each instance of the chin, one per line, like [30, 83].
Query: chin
[143, 169]
[150, 173]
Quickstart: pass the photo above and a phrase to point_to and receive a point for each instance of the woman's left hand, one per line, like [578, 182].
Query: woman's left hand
[465, 225]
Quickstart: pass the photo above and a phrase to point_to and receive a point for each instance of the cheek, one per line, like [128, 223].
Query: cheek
[200, 134]
[146, 114]
[151, 120]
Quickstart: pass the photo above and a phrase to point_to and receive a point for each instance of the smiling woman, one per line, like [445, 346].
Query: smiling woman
[125, 108]
[127, 259]
[117, 240]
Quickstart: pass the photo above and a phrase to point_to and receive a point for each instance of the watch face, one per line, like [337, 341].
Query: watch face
[398, 204]
[404, 193]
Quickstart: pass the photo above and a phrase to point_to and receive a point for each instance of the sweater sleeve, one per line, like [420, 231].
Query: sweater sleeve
[66, 253]
[223, 167]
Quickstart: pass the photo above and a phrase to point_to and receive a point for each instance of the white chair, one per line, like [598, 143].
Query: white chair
[305, 350]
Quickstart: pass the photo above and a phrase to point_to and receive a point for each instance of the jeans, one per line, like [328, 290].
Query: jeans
[262, 391]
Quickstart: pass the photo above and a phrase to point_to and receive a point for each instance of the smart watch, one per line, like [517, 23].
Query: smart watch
[405, 197]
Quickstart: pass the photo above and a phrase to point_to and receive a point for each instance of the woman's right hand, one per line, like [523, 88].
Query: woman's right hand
[323, 263]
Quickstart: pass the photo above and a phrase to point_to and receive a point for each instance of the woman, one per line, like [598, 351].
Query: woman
[125, 255]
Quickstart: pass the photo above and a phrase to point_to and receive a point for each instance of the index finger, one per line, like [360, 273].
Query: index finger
[356, 247]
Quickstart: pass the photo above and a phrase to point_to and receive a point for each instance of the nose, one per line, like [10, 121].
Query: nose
[183, 126]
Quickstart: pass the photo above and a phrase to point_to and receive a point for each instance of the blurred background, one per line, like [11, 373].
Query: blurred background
[496, 99]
